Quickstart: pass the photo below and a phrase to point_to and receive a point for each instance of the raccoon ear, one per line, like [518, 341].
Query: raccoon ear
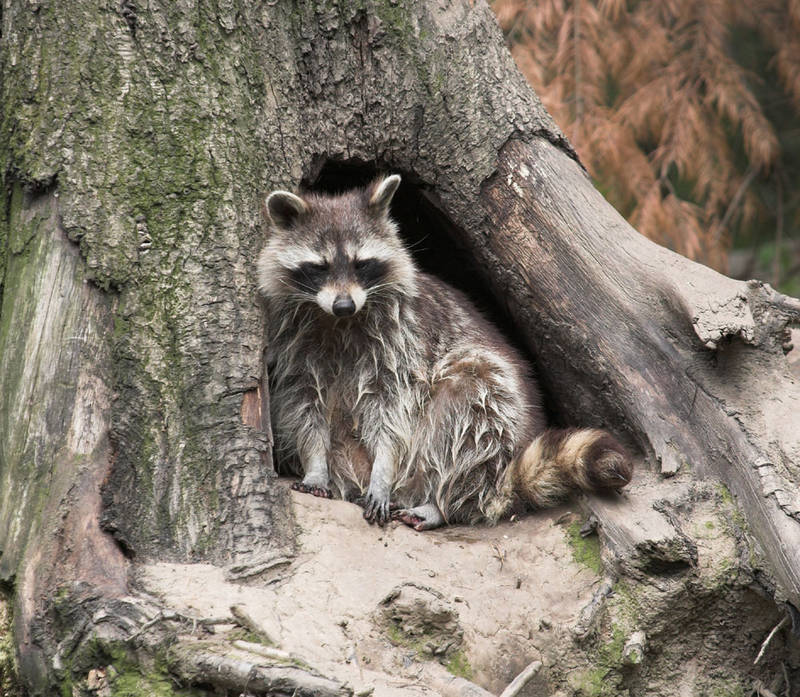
[285, 208]
[381, 192]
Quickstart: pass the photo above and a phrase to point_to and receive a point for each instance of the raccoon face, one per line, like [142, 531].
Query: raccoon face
[337, 251]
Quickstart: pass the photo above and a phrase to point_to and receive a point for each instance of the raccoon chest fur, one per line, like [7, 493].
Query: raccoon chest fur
[388, 386]
[342, 380]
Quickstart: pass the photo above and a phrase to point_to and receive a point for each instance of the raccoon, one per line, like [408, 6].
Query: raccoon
[390, 388]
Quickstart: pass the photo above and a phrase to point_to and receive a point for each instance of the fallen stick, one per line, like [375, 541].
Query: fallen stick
[521, 680]
[769, 638]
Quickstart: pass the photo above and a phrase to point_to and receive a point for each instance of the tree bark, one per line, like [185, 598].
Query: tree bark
[137, 141]
[688, 362]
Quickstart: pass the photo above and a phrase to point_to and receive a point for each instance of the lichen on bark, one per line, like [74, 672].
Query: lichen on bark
[143, 126]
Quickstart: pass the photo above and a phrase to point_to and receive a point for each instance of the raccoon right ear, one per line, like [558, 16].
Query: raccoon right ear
[381, 193]
[285, 208]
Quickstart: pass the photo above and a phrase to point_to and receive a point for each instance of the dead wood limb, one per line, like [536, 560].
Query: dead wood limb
[629, 349]
[522, 679]
[246, 672]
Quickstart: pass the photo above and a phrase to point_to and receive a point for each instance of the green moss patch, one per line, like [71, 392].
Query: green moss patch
[585, 550]
[9, 685]
[459, 665]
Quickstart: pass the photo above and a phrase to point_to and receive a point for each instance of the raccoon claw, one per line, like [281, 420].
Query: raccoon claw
[408, 518]
[320, 491]
[421, 518]
[376, 511]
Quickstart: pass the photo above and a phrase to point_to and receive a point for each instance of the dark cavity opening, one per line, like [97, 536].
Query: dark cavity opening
[436, 243]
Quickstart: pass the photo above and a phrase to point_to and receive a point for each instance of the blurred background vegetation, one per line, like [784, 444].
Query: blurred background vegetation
[686, 114]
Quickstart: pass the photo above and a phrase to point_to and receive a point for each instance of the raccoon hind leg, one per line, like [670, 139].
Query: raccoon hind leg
[464, 444]
[425, 517]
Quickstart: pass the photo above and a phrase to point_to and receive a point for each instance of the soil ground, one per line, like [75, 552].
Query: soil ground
[515, 588]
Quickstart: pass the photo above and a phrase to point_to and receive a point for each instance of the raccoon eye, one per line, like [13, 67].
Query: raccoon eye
[309, 276]
[313, 267]
[369, 271]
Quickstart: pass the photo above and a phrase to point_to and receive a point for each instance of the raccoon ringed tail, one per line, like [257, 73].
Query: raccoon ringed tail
[560, 460]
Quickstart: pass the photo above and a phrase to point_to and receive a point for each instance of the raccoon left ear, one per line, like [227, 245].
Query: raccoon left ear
[285, 208]
[381, 193]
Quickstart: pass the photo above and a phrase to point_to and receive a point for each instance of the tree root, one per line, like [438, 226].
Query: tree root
[245, 672]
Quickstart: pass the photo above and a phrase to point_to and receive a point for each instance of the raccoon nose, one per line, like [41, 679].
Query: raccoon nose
[343, 306]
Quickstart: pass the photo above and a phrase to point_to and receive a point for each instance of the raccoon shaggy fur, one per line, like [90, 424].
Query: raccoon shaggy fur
[387, 385]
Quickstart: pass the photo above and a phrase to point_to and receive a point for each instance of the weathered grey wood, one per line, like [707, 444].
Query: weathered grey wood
[629, 334]
[640, 535]
[246, 671]
[54, 448]
[521, 680]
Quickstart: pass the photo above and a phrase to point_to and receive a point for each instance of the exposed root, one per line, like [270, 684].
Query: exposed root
[769, 639]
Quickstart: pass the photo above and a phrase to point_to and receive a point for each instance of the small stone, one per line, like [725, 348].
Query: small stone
[633, 651]
[96, 679]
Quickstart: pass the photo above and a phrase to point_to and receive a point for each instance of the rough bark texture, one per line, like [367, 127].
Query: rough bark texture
[136, 142]
[688, 362]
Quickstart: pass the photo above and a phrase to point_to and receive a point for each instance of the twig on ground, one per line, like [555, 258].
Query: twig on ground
[266, 651]
[172, 615]
[499, 554]
[769, 638]
[521, 680]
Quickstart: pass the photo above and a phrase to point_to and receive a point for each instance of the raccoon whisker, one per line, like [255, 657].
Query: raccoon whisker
[384, 298]
[292, 286]
[415, 246]
[379, 286]
[378, 290]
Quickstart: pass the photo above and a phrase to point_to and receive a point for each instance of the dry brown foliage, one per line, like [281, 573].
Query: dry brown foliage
[662, 114]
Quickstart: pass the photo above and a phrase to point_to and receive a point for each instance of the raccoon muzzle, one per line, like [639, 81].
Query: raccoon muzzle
[343, 306]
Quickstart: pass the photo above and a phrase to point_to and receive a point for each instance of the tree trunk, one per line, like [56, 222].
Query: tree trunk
[688, 362]
[137, 142]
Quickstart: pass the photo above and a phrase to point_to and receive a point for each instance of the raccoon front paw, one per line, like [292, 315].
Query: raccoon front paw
[376, 509]
[321, 491]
